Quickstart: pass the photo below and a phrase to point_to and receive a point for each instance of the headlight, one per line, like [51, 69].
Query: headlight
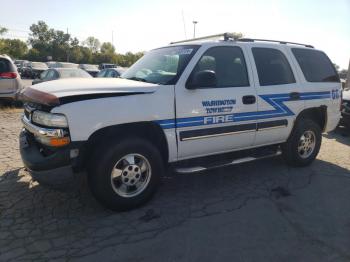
[48, 119]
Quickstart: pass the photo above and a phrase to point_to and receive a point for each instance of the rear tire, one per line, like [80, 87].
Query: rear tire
[303, 144]
[125, 174]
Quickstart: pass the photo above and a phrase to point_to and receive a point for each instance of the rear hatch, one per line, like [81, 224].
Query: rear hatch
[8, 76]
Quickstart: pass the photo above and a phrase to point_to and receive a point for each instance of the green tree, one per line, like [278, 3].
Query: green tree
[50, 42]
[129, 58]
[93, 44]
[107, 48]
[33, 55]
[13, 47]
[3, 30]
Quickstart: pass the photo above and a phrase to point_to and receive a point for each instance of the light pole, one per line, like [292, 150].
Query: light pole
[194, 28]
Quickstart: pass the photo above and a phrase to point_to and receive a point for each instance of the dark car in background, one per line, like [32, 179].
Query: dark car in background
[33, 69]
[111, 72]
[59, 73]
[91, 69]
[20, 64]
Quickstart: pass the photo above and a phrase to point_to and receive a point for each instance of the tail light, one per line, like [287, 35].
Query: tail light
[8, 75]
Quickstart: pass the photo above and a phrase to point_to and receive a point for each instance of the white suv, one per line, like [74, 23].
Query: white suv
[193, 104]
[10, 80]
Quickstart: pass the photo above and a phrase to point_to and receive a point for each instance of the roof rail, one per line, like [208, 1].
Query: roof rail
[226, 36]
[274, 41]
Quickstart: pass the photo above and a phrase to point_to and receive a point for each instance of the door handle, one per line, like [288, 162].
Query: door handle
[248, 99]
[294, 96]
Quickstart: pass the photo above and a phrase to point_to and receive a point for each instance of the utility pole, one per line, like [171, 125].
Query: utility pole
[112, 38]
[194, 28]
[68, 48]
[183, 21]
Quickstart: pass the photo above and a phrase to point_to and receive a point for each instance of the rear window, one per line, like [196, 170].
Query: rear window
[4, 65]
[316, 66]
[272, 66]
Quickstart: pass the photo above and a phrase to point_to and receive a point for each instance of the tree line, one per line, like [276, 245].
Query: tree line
[45, 43]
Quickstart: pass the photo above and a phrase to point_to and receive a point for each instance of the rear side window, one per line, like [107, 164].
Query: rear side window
[272, 66]
[4, 66]
[316, 66]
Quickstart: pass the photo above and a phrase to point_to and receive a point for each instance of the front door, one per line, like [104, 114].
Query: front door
[214, 118]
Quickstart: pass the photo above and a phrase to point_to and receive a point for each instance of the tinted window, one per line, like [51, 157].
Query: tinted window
[112, 73]
[4, 66]
[50, 74]
[102, 73]
[44, 74]
[228, 64]
[315, 65]
[272, 66]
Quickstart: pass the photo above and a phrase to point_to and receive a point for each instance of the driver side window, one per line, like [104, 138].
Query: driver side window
[227, 63]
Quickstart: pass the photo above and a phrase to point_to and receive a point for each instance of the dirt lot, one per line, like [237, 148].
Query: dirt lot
[261, 211]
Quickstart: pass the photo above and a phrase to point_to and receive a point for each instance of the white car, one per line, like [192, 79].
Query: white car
[10, 80]
[193, 104]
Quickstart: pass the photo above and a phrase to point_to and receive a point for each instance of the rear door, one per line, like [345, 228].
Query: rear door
[279, 93]
[7, 77]
[214, 119]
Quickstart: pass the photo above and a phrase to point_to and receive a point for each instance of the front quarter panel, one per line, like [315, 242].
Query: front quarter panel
[88, 116]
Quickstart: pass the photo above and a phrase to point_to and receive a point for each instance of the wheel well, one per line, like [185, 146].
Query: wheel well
[147, 130]
[318, 114]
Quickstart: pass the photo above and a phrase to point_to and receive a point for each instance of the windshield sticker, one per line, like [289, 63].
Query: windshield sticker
[218, 106]
[187, 51]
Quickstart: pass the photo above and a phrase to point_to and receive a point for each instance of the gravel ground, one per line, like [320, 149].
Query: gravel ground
[261, 211]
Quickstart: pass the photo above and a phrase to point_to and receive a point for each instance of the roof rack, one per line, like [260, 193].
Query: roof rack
[274, 41]
[227, 36]
[230, 36]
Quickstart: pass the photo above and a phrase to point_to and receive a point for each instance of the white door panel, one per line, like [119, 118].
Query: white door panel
[211, 120]
[279, 94]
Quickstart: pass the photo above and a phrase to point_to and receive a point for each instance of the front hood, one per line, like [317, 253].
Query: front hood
[346, 94]
[52, 92]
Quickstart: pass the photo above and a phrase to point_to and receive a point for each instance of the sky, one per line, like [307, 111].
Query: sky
[144, 25]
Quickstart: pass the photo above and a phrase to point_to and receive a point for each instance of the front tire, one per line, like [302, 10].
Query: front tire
[303, 144]
[124, 174]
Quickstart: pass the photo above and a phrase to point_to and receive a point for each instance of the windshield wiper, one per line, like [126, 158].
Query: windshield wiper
[137, 79]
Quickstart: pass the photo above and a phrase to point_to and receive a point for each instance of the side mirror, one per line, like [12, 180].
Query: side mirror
[205, 78]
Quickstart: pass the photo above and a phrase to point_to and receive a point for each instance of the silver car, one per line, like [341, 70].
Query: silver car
[10, 80]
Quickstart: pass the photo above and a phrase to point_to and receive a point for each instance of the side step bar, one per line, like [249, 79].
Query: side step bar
[231, 162]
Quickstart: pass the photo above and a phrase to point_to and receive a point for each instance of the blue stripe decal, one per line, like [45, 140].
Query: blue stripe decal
[275, 100]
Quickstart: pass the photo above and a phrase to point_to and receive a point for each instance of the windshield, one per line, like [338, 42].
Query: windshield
[161, 66]
[72, 73]
[39, 65]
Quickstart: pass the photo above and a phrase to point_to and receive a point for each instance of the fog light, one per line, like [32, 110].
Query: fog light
[74, 153]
